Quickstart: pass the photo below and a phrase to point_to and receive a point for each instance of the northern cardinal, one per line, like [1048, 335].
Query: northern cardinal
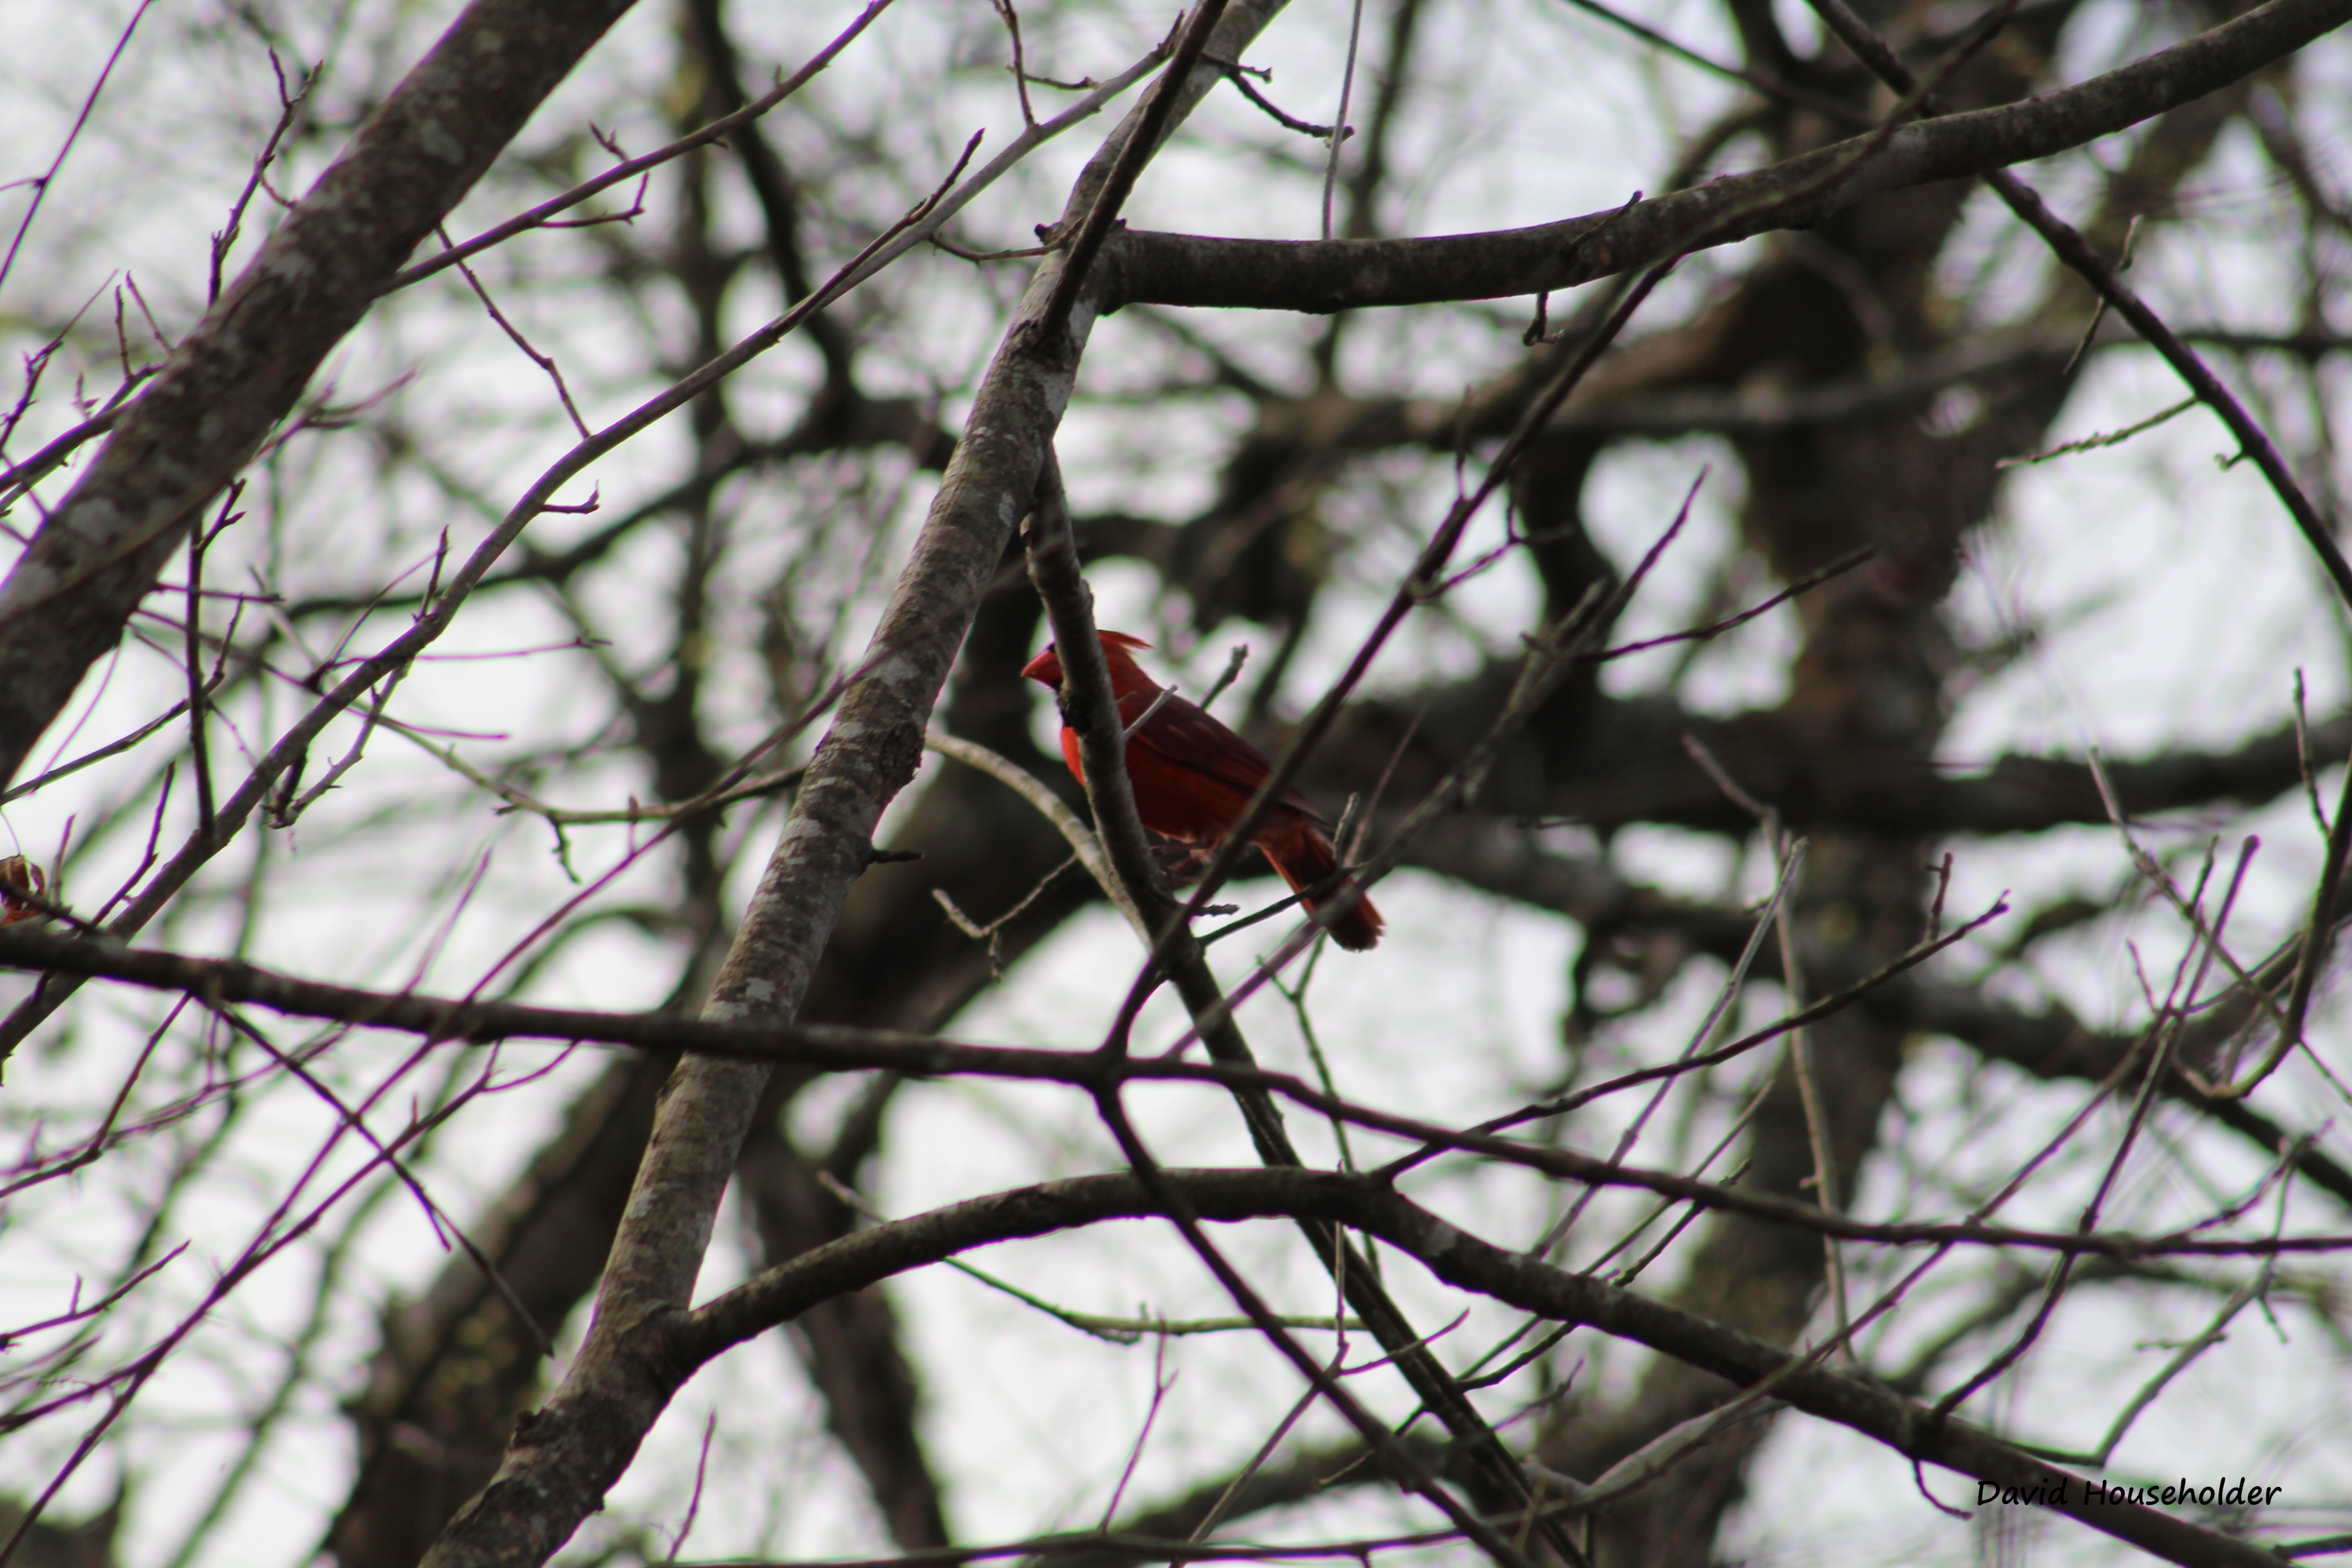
[1193, 777]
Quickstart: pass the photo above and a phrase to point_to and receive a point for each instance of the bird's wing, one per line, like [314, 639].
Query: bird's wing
[1188, 736]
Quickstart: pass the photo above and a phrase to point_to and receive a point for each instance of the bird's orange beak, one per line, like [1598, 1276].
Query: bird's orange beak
[1047, 667]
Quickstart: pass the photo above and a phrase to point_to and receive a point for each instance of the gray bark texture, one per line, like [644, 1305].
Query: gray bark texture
[1321, 275]
[1688, 1338]
[240, 371]
[564, 1457]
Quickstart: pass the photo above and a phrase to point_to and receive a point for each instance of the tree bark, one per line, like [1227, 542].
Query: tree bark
[241, 369]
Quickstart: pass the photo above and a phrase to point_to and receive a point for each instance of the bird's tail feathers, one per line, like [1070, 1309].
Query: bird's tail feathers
[1304, 859]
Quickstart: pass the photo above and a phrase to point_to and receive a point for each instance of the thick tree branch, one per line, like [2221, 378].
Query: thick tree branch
[239, 371]
[1092, 711]
[1608, 762]
[2053, 1045]
[1460, 1259]
[755, 1047]
[1322, 276]
[2070, 248]
[554, 1472]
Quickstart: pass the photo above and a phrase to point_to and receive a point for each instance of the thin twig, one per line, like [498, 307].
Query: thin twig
[2076, 251]
[1339, 121]
[630, 170]
[1053, 323]
[2105, 438]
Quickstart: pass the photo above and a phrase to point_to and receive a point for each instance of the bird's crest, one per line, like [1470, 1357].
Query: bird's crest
[1047, 665]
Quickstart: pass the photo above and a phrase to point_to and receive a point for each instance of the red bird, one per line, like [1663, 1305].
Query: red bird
[1193, 777]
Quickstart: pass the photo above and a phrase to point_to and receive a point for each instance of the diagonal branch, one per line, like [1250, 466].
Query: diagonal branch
[240, 371]
[1093, 713]
[564, 1459]
[753, 1046]
[2073, 249]
[1322, 276]
[1466, 1262]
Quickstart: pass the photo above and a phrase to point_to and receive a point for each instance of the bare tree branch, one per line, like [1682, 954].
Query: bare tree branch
[241, 370]
[1463, 1260]
[1322, 276]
